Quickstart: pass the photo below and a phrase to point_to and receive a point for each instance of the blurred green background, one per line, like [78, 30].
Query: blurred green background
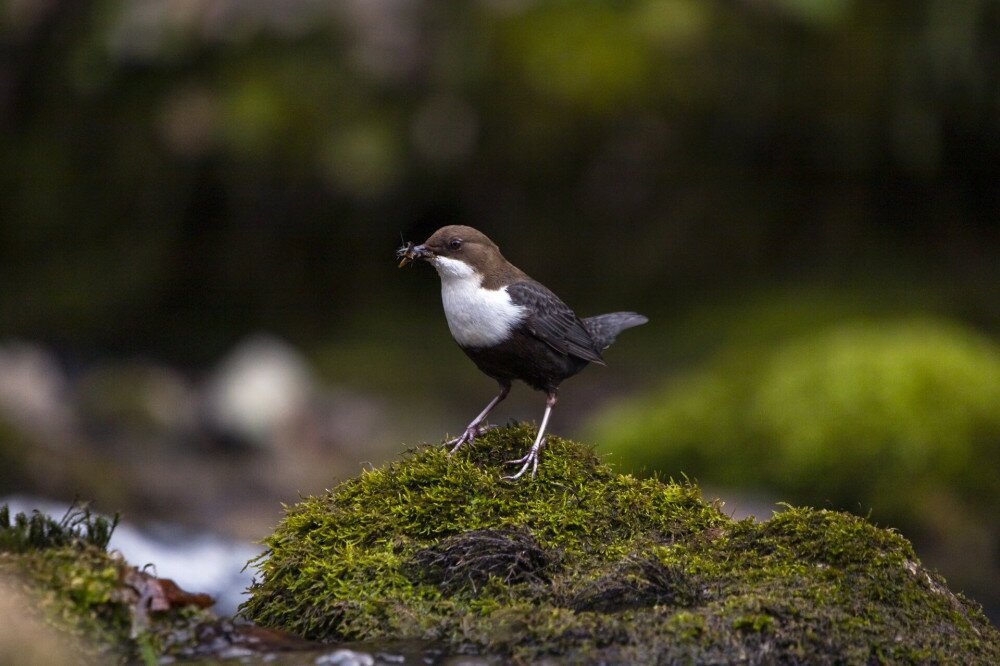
[802, 195]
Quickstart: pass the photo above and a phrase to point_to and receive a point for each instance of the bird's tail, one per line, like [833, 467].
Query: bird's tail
[605, 328]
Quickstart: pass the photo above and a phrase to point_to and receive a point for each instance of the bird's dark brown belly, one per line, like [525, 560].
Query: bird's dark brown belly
[525, 357]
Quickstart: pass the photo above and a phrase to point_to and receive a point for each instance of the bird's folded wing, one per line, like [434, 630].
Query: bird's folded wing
[552, 321]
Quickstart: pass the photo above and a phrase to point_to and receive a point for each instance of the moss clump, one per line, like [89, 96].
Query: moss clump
[78, 527]
[596, 566]
[92, 595]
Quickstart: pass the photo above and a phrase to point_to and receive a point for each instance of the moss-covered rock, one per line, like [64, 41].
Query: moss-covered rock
[591, 565]
[111, 611]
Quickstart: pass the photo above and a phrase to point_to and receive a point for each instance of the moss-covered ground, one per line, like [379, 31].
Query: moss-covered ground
[111, 611]
[588, 565]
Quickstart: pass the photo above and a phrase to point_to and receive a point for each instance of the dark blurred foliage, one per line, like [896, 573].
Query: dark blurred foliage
[176, 173]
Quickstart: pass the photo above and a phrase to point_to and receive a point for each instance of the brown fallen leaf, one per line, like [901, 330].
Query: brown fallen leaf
[157, 595]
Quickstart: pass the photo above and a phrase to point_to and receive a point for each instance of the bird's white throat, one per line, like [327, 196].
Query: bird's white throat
[477, 317]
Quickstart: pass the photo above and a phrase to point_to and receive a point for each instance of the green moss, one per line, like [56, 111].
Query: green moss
[74, 589]
[78, 527]
[590, 564]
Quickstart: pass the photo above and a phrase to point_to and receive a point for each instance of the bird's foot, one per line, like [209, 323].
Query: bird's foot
[530, 459]
[468, 437]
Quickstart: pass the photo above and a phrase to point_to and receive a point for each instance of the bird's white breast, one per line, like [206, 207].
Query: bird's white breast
[477, 317]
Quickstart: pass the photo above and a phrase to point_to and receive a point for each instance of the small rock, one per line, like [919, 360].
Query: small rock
[344, 657]
[261, 389]
[34, 391]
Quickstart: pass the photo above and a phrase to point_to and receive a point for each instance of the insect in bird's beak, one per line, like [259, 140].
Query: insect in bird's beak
[410, 253]
[405, 254]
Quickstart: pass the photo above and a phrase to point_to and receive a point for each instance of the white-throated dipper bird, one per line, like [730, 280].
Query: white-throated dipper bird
[511, 326]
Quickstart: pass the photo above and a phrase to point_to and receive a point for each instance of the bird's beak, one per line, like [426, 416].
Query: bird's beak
[410, 252]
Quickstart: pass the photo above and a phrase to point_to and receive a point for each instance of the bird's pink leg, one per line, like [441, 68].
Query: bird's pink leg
[474, 428]
[531, 458]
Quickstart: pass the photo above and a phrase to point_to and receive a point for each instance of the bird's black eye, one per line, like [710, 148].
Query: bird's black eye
[454, 243]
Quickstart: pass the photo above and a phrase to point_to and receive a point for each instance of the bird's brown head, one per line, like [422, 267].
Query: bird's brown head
[459, 243]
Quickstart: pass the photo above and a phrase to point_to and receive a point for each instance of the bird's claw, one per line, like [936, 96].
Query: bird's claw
[532, 462]
[530, 459]
[468, 437]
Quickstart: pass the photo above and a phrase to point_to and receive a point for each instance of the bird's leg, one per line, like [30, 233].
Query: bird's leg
[474, 428]
[531, 458]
